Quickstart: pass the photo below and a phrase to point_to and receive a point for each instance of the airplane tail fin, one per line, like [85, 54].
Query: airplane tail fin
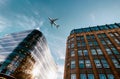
[57, 26]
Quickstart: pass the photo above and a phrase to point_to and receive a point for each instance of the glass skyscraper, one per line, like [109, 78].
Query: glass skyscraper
[25, 55]
[93, 53]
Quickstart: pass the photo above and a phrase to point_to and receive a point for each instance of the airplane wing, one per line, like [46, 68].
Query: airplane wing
[55, 19]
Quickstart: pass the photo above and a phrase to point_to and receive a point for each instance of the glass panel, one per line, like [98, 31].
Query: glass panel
[95, 42]
[116, 34]
[81, 64]
[72, 45]
[78, 38]
[108, 41]
[72, 53]
[98, 64]
[105, 64]
[83, 76]
[73, 76]
[78, 44]
[111, 26]
[72, 39]
[92, 36]
[99, 51]
[94, 28]
[93, 52]
[108, 51]
[116, 63]
[103, 27]
[83, 43]
[88, 36]
[116, 40]
[111, 34]
[115, 51]
[88, 64]
[90, 43]
[103, 42]
[72, 64]
[91, 76]
[80, 52]
[102, 76]
[110, 76]
[85, 52]
[82, 37]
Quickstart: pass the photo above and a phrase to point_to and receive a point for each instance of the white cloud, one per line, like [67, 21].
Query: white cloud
[4, 23]
[28, 22]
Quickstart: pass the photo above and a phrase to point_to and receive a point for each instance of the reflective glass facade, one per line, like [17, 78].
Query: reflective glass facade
[96, 53]
[25, 55]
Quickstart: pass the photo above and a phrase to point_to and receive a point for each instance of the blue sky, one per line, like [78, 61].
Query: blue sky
[19, 15]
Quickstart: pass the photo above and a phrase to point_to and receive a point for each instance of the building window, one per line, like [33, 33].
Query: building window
[72, 53]
[78, 44]
[116, 63]
[97, 63]
[108, 51]
[72, 39]
[68, 45]
[90, 43]
[91, 76]
[88, 37]
[82, 37]
[81, 64]
[83, 43]
[93, 52]
[116, 34]
[103, 35]
[78, 38]
[80, 52]
[92, 36]
[99, 35]
[83, 76]
[108, 41]
[114, 50]
[110, 76]
[85, 52]
[72, 64]
[95, 42]
[102, 76]
[88, 64]
[104, 27]
[103, 42]
[105, 64]
[73, 76]
[117, 41]
[99, 51]
[111, 34]
[72, 45]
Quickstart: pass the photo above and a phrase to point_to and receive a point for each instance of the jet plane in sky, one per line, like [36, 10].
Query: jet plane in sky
[52, 21]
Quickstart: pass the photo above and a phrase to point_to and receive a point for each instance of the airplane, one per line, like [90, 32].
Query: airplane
[52, 21]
